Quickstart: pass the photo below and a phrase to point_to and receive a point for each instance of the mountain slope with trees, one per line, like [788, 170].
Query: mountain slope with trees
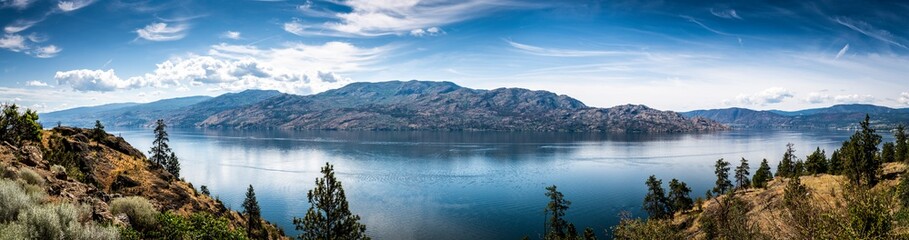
[844, 116]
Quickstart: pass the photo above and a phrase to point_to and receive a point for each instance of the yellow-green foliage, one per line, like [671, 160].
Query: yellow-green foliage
[61, 221]
[633, 229]
[139, 210]
[31, 177]
[14, 199]
[196, 226]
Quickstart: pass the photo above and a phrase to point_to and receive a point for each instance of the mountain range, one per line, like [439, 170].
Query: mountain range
[843, 116]
[393, 105]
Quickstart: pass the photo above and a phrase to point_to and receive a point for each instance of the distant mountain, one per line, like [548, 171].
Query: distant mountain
[845, 116]
[414, 105]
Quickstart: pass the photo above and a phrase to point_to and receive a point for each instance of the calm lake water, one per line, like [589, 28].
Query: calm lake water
[465, 185]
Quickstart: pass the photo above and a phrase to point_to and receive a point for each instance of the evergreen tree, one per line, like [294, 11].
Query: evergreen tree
[835, 165]
[589, 234]
[860, 163]
[556, 226]
[679, 199]
[902, 144]
[816, 163]
[253, 214]
[173, 165]
[204, 190]
[723, 185]
[888, 153]
[16, 127]
[762, 175]
[786, 168]
[160, 151]
[328, 216]
[98, 132]
[741, 175]
[655, 202]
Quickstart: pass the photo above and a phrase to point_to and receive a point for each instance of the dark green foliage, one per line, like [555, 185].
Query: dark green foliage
[253, 214]
[888, 153]
[728, 220]
[860, 163]
[901, 150]
[16, 127]
[656, 204]
[679, 199]
[868, 213]
[161, 154]
[787, 167]
[741, 175]
[762, 175]
[196, 226]
[835, 165]
[556, 226]
[795, 193]
[56, 153]
[723, 185]
[204, 190]
[589, 234]
[98, 132]
[902, 190]
[816, 163]
[329, 216]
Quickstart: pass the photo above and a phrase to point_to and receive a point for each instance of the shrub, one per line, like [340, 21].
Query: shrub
[13, 231]
[629, 228]
[56, 169]
[139, 210]
[196, 226]
[61, 221]
[92, 232]
[31, 177]
[13, 199]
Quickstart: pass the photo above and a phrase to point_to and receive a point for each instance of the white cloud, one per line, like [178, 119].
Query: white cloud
[68, 6]
[393, 17]
[854, 98]
[231, 35]
[294, 68]
[868, 30]
[768, 96]
[816, 98]
[432, 31]
[36, 83]
[13, 42]
[842, 52]
[19, 25]
[162, 32]
[727, 14]
[48, 51]
[96, 80]
[904, 98]
[37, 37]
[18, 4]
[554, 52]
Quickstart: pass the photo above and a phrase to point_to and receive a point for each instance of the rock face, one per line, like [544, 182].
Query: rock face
[420, 105]
[107, 169]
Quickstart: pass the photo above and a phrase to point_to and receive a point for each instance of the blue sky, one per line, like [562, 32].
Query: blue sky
[671, 55]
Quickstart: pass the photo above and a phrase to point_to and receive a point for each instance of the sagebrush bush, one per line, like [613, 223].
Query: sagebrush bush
[139, 210]
[57, 169]
[31, 177]
[13, 199]
[91, 232]
[61, 221]
[13, 231]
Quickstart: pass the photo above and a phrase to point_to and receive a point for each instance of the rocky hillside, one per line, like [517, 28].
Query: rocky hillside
[97, 172]
[835, 117]
[420, 105]
[397, 105]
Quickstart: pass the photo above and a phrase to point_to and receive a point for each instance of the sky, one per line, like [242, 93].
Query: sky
[669, 55]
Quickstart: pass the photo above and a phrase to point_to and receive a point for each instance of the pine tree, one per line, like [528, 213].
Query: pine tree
[98, 132]
[173, 165]
[679, 199]
[902, 144]
[328, 216]
[816, 163]
[835, 164]
[786, 168]
[888, 153]
[204, 190]
[762, 175]
[860, 163]
[741, 175]
[556, 225]
[589, 234]
[160, 151]
[16, 127]
[723, 185]
[655, 202]
[253, 214]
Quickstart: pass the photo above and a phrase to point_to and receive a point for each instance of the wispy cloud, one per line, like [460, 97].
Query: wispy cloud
[13, 42]
[868, 30]
[726, 13]
[162, 32]
[36, 83]
[19, 25]
[431, 31]
[553, 52]
[17, 4]
[369, 18]
[48, 51]
[695, 21]
[231, 35]
[766, 97]
[69, 6]
[842, 52]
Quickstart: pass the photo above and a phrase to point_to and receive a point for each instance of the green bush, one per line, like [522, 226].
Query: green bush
[13, 199]
[31, 177]
[13, 231]
[629, 228]
[139, 210]
[196, 226]
[61, 221]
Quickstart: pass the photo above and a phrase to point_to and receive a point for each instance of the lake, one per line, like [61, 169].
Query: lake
[465, 185]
